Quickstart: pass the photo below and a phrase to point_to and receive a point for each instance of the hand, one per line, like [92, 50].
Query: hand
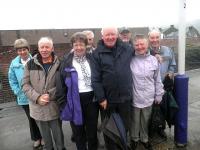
[157, 102]
[104, 104]
[43, 99]
[171, 75]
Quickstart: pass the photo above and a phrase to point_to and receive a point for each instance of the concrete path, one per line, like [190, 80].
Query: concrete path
[14, 131]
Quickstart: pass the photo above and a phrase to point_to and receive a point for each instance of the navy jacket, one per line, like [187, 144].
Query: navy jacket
[111, 74]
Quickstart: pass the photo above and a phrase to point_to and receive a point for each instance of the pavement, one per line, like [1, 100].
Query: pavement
[15, 135]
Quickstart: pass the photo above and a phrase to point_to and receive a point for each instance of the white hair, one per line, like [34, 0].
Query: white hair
[45, 40]
[154, 30]
[104, 28]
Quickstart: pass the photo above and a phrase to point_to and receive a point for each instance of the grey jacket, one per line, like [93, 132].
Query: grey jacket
[37, 82]
[169, 63]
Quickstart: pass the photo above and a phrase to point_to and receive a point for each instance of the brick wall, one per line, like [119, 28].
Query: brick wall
[6, 56]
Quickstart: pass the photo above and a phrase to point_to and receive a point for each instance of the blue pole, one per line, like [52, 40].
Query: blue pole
[181, 120]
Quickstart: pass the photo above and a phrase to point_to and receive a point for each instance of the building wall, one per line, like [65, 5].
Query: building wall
[62, 45]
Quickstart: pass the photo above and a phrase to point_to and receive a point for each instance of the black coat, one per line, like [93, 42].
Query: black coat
[111, 73]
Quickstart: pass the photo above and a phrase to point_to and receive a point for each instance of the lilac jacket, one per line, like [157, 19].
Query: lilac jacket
[72, 110]
[147, 84]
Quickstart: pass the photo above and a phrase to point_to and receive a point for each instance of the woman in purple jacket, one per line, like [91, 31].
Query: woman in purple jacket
[75, 94]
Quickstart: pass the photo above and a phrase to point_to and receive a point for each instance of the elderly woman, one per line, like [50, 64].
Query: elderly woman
[75, 94]
[15, 76]
[147, 89]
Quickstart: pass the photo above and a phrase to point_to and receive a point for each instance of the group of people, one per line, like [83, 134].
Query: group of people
[121, 76]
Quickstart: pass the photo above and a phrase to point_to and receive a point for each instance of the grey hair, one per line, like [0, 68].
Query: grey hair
[88, 32]
[140, 36]
[45, 39]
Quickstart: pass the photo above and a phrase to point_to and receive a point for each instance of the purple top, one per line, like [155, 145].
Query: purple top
[147, 84]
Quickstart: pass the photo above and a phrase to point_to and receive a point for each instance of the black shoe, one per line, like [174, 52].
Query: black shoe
[162, 134]
[134, 145]
[147, 145]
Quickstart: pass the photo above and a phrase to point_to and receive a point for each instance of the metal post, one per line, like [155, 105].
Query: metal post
[181, 38]
[181, 120]
[181, 84]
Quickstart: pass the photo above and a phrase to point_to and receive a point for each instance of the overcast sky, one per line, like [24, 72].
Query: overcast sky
[59, 14]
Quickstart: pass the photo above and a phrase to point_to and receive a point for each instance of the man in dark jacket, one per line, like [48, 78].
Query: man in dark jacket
[111, 77]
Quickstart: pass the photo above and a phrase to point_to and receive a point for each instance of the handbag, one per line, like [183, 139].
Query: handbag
[157, 120]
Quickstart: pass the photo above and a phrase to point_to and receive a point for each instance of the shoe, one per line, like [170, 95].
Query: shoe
[162, 134]
[134, 145]
[147, 145]
[36, 144]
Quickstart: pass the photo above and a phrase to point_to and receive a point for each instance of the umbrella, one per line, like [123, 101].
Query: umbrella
[113, 127]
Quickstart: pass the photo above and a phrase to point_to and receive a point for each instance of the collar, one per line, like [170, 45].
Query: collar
[146, 54]
[156, 51]
[24, 61]
[103, 48]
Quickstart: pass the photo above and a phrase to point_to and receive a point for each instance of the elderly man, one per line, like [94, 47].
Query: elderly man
[111, 77]
[166, 57]
[90, 37]
[39, 85]
[125, 35]
[164, 54]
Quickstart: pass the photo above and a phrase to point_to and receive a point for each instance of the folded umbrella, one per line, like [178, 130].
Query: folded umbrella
[113, 127]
